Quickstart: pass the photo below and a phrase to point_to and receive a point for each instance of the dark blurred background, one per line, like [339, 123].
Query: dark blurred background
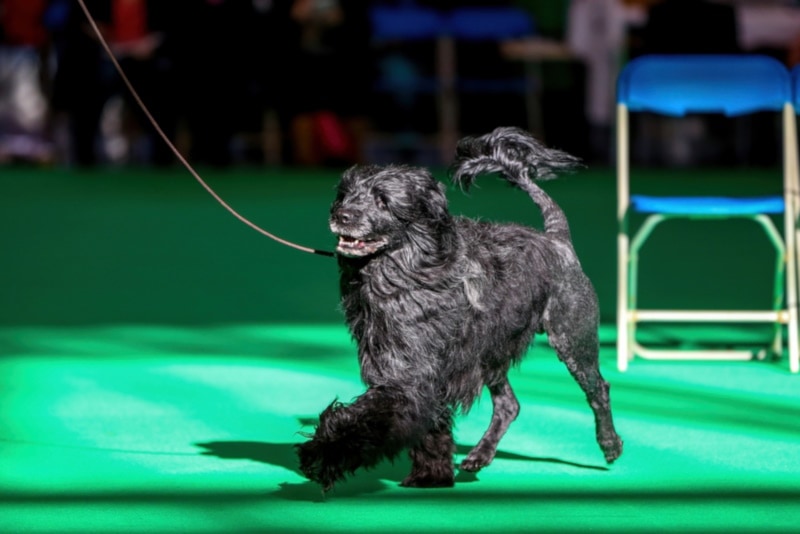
[331, 82]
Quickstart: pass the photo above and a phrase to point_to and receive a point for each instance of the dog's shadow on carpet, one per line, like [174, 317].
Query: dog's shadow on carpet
[363, 482]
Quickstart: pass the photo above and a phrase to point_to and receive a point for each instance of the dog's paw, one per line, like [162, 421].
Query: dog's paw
[477, 459]
[612, 449]
[472, 465]
[310, 459]
[314, 467]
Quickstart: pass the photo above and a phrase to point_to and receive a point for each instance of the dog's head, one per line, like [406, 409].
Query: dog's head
[378, 208]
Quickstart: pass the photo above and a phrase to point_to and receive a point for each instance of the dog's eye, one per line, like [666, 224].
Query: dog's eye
[381, 200]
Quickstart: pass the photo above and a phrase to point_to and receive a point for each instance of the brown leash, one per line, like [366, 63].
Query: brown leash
[177, 153]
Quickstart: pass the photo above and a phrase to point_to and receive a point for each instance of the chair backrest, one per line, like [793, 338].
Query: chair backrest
[411, 22]
[490, 23]
[735, 84]
[796, 87]
[406, 22]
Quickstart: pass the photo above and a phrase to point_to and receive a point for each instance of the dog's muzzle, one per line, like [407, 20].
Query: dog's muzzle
[354, 242]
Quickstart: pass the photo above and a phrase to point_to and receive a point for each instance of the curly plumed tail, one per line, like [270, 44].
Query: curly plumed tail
[521, 160]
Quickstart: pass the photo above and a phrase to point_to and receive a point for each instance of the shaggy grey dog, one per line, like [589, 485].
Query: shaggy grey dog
[441, 306]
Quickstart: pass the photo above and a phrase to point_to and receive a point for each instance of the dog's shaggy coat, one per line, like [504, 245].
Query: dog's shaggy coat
[441, 306]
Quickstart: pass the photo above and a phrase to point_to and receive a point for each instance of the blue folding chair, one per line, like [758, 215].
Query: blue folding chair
[404, 24]
[411, 23]
[732, 85]
[478, 24]
[405, 40]
[490, 24]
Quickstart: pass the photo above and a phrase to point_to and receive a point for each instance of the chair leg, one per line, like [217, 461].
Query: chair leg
[792, 259]
[624, 348]
[792, 296]
[623, 324]
[792, 209]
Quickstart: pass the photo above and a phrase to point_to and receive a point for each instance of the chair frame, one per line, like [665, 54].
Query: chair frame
[784, 312]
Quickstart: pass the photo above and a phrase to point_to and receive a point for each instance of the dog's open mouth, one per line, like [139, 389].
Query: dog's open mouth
[357, 247]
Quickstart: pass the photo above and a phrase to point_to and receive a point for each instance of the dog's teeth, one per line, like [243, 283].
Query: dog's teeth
[352, 241]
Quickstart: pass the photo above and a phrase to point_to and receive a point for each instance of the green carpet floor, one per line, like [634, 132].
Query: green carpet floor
[158, 360]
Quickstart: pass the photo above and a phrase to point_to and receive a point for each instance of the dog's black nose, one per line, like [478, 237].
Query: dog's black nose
[344, 216]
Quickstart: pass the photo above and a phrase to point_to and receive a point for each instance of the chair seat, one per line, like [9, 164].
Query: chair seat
[707, 205]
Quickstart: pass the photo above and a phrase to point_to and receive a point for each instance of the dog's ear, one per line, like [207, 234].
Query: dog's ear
[412, 193]
[433, 205]
[438, 201]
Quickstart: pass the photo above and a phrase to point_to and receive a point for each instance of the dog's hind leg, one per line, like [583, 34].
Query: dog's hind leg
[432, 457]
[580, 354]
[505, 409]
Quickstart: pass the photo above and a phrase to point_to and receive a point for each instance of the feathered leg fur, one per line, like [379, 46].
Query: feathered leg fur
[378, 425]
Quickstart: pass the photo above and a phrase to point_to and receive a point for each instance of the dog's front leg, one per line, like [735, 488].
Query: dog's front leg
[375, 426]
[432, 457]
